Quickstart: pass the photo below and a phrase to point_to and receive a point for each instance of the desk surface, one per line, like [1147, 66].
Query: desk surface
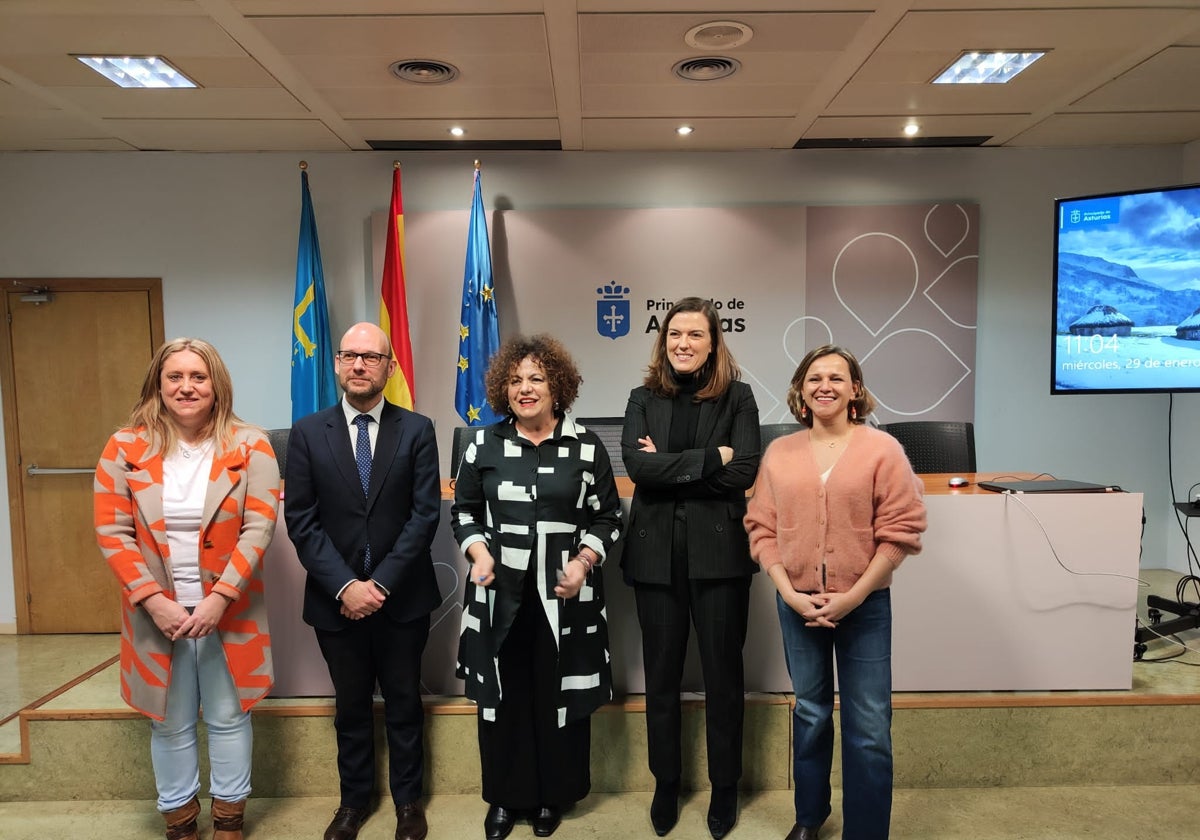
[936, 484]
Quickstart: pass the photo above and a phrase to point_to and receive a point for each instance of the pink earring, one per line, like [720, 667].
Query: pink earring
[803, 409]
[853, 412]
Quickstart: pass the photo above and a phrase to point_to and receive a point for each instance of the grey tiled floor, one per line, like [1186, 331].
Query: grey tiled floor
[976, 814]
[32, 666]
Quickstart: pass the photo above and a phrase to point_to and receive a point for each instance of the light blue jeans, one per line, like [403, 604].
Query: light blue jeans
[862, 645]
[200, 676]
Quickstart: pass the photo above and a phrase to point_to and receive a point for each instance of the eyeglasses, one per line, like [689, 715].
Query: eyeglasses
[347, 357]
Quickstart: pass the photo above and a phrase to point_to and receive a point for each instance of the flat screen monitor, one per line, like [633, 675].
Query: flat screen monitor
[1127, 292]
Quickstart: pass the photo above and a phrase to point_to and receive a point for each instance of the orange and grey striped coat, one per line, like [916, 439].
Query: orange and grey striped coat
[237, 525]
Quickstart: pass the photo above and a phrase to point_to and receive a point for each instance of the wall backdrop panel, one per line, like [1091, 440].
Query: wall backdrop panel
[221, 230]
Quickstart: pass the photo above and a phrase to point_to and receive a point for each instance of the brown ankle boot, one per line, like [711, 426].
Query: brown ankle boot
[227, 819]
[181, 823]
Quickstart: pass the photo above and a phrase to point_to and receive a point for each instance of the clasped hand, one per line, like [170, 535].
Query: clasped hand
[823, 609]
[173, 620]
[360, 599]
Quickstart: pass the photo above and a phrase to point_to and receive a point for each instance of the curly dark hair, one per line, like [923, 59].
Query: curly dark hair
[561, 373]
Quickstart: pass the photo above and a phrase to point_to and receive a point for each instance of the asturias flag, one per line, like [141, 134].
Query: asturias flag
[313, 379]
[478, 328]
[393, 303]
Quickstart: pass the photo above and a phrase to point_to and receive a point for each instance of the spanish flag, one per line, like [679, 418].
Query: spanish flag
[393, 303]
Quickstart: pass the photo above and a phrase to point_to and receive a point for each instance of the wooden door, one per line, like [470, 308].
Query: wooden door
[77, 352]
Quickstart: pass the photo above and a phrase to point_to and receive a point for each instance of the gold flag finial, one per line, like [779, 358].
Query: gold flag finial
[395, 164]
[303, 166]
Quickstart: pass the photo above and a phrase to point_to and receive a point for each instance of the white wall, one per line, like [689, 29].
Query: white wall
[221, 231]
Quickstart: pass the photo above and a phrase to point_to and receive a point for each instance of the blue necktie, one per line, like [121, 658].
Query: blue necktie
[362, 457]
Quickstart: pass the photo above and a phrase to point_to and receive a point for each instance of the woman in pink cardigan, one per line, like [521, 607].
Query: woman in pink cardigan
[835, 510]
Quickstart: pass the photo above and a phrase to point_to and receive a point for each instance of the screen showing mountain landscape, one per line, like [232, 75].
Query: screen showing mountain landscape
[1127, 292]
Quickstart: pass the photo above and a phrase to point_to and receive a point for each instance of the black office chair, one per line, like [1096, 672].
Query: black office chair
[279, 442]
[609, 431]
[936, 446]
[769, 431]
[463, 436]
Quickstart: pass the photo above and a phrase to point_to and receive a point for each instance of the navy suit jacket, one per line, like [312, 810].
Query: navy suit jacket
[717, 542]
[330, 521]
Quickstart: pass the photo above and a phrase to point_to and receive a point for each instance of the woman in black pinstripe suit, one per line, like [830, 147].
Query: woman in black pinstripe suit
[691, 445]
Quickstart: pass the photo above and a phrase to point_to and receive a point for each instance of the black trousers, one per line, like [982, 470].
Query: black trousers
[719, 610]
[528, 761]
[370, 650]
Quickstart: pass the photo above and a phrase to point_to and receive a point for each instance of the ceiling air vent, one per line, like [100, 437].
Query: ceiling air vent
[423, 71]
[706, 68]
[718, 35]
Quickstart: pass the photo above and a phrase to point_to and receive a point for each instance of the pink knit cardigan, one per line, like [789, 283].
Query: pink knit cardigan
[825, 534]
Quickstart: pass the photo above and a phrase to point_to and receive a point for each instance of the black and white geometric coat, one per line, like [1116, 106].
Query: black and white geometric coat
[535, 506]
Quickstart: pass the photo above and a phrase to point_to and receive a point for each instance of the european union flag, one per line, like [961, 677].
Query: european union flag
[313, 382]
[478, 327]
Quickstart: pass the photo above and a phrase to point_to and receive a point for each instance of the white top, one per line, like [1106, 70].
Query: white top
[372, 428]
[185, 483]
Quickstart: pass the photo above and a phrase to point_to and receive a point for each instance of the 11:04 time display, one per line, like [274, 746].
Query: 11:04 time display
[1090, 344]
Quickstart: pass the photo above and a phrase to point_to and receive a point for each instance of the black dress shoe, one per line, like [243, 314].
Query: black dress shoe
[498, 822]
[545, 821]
[346, 823]
[410, 822]
[722, 811]
[664, 810]
[803, 832]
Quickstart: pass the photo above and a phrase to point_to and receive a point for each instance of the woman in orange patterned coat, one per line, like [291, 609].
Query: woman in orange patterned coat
[185, 503]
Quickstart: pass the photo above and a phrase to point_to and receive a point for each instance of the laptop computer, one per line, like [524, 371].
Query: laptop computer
[1049, 485]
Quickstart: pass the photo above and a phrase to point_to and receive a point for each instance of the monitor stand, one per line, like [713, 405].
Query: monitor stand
[1188, 618]
[1187, 612]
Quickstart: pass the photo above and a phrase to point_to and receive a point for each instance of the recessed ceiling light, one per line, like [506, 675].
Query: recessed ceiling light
[987, 68]
[458, 131]
[684, 130]
[911, 130]
[137, 71]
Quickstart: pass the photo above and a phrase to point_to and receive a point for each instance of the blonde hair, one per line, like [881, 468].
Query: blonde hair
[151, 414]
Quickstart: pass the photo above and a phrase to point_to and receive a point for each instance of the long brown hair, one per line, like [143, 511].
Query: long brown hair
[859, 407]
[719, 369]
[150, 414]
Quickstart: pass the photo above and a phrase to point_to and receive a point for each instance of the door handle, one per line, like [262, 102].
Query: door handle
[34, 469]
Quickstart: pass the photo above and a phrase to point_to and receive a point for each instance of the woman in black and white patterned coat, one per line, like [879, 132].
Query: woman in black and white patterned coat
[535, 512]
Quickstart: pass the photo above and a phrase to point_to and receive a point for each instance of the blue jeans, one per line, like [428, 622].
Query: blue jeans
[200, 675]
[862, 643]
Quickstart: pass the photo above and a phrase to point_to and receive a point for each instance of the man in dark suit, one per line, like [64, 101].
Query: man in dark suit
[363, 498]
